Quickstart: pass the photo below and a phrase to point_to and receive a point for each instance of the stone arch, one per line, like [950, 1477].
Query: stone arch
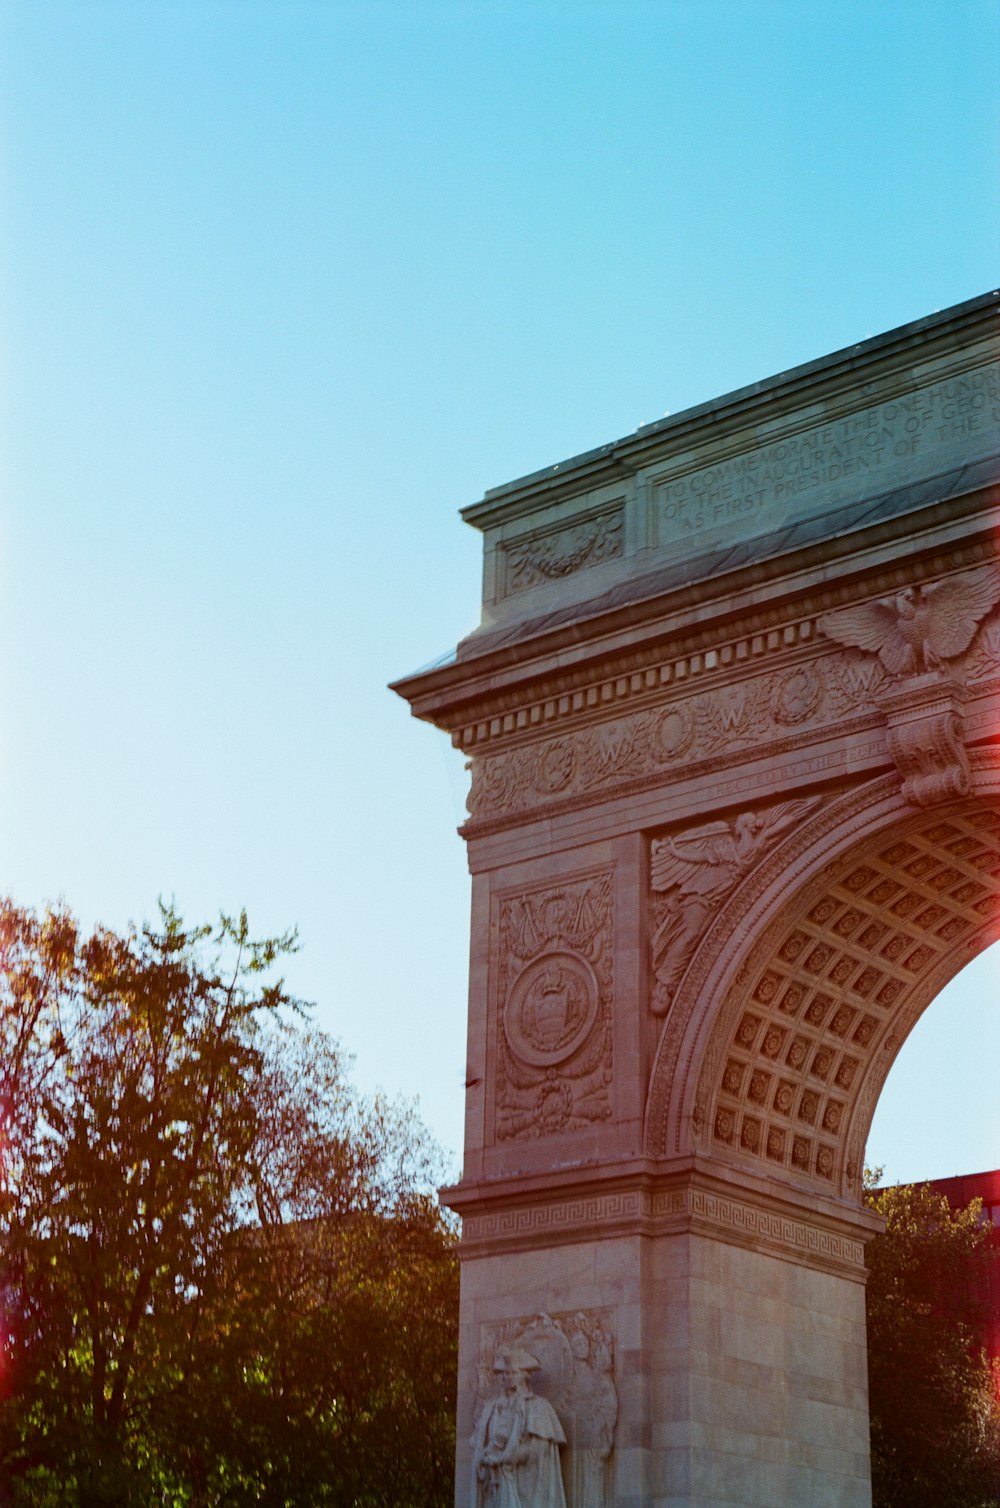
[780, 607]
[812, 976]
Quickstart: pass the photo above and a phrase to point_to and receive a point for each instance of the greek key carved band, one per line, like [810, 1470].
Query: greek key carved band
[725, 1217]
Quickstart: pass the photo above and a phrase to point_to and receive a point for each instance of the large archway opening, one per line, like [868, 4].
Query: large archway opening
[932, 1295]
[938, 1114]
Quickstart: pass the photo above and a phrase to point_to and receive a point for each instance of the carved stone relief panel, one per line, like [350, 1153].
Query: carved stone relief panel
[554, 996]
[530, 560]
[919, 636]
[651, 745]
[924, 729]
[983, 660]
[568, 1362]
[921, 628]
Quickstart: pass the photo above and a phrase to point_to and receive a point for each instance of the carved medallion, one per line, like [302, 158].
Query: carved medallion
[551, 1008]
[796, 695]
[555, 767]
[673, 734]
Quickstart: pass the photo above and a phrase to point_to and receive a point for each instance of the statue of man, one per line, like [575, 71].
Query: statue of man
[515, 1448]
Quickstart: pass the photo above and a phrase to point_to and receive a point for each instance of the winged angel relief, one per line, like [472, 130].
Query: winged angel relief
[696, 870]
[921, 627]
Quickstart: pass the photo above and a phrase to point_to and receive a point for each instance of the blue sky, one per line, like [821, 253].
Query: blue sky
[282, 286]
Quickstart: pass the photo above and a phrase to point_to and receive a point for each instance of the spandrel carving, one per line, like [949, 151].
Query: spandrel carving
[694, 872]
[543, 1379]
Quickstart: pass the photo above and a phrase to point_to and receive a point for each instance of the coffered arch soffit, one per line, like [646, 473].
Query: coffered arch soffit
[801, 994]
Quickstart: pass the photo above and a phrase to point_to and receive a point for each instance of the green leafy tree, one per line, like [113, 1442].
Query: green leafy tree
[935, 1415]
[223, 1279]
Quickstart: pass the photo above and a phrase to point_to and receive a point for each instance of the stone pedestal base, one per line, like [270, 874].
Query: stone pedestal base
[734, 1330]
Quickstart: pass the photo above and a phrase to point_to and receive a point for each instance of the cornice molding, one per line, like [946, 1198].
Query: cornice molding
[785, 704]
[501, 700]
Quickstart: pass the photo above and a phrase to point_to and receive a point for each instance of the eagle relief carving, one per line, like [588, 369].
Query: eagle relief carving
[694, 872]
[921, 627]
[915, 635]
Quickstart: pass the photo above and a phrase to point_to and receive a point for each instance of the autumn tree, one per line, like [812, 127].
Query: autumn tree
[935, 1409]
[222, 1275]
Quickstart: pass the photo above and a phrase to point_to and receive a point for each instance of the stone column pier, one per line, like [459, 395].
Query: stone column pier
[735, 1321]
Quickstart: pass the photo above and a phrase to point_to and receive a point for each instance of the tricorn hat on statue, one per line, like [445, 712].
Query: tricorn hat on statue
[515, 1359]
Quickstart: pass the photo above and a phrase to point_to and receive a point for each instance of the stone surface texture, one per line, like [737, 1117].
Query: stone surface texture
[734, 820]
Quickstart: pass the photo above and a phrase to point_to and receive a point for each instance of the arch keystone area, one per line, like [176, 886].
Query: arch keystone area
[734, 821]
